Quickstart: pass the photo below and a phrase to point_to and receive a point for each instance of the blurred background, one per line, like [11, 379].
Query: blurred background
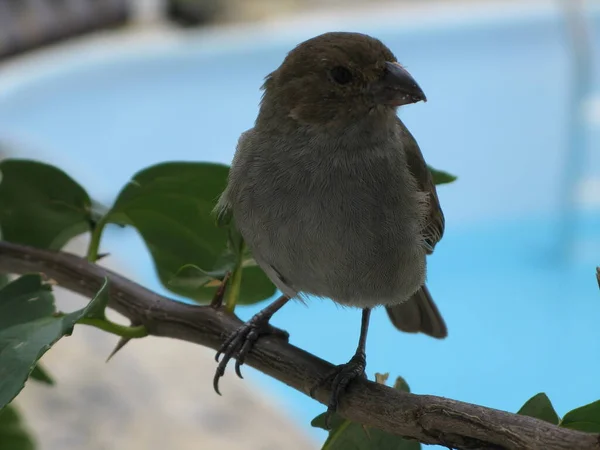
[105, 88]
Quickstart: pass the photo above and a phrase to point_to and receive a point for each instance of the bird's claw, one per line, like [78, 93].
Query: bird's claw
[240, 343]
[341, 377]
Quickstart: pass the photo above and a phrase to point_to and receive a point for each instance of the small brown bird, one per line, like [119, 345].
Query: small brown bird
[332, 195]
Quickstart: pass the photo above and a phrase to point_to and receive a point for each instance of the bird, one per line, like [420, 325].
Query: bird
[332, 195]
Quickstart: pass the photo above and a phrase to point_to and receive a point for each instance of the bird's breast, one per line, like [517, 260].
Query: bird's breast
[344, 226]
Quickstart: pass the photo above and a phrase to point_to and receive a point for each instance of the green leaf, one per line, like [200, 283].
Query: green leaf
[40, 374]
[255, 286]
[25, 299]
[191, 277]
[540, 407]
[171, 206]
[4, 280]
[41, 206]
[441, 177]
[29, 326]
[401, 385]
[97, 307]
[584, 418]
[346, 435]
[13, 434]
[320, 421]
[95, 316]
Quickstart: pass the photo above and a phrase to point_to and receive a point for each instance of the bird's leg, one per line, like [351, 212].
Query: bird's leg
[241, 341]
[343, 374]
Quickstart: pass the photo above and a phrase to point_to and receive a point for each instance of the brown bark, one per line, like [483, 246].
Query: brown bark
[429, 419]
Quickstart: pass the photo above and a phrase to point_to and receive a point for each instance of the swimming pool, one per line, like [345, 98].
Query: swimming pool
[521, 315]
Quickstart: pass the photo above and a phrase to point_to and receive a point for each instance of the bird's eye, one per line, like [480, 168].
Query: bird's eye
[341, 75]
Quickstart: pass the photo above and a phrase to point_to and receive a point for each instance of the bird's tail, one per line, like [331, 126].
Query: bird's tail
[418, 314]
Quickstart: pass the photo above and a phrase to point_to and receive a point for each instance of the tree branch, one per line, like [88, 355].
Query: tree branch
[429, 419]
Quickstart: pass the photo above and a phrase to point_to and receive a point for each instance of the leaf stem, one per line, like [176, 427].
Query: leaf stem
[233, 292]
[115, 328]
[93, 248]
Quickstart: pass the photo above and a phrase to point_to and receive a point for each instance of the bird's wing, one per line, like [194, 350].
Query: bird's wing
[434, 224]
[419, 313]
[223, 211]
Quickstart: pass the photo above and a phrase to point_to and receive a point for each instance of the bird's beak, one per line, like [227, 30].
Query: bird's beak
[397, 87]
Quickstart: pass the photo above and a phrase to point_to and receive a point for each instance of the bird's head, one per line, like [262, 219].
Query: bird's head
[336, 77]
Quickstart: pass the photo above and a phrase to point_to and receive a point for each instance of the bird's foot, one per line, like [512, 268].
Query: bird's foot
[340, 377]
[240, 343]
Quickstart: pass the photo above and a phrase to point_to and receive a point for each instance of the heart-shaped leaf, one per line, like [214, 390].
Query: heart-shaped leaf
[346, 435]
[40, 205]
[584, 418]
[540, 407]
[13, 434]
[171, 205]
[28, 328]
[441, 177]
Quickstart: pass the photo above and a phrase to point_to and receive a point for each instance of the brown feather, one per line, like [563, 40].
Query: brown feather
[419, 313]
[434, 226]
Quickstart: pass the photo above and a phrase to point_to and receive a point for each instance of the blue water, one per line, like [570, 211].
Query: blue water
[522, 317]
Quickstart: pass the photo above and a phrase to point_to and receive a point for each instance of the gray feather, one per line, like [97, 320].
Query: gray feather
[330, 190]
[334, 222]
